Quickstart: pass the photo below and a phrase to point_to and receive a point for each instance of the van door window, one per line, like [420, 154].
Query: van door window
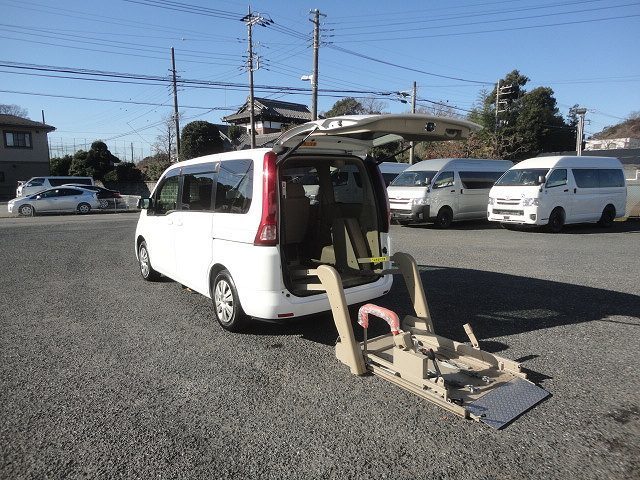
[197, 191]
[557, 178]
[234, 189]
[445, 179]
[167, 196]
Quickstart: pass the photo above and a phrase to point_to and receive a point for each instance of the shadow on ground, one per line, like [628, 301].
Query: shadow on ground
[495, 304]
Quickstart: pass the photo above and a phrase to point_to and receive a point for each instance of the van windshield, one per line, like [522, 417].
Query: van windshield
[413, 179]
[522, 176]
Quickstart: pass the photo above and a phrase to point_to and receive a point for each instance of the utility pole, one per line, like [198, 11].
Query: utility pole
[316, 47]
[580, 133]
[504, 90]
[252, 19]
[131, 152]
[413, 110]
[176, 117]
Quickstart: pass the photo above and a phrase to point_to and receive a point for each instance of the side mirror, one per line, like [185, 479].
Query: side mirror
[144, 203]
[542, 179]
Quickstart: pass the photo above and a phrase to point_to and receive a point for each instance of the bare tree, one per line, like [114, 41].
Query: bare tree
[166, 141]
[371, 105]
[16, 110]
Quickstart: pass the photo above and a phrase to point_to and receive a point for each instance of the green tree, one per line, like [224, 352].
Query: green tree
[346, 106]
[153, 166]
[124, 172]
[94, 163]
[60, 165]
[526, 123]
[200, 138]
[235, 132]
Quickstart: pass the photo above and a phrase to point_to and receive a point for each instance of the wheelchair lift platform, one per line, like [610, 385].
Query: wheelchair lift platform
[456, 376]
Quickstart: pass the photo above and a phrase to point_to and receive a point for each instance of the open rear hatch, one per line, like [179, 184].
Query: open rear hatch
[357, 134]
[333, 205]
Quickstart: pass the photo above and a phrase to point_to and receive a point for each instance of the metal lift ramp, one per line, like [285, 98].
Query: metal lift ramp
[459, 377]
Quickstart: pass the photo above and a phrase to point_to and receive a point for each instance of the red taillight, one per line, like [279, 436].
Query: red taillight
[268, 230]
[116, 195]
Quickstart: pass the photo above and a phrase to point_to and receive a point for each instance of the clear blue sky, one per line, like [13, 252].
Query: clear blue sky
[586, 50]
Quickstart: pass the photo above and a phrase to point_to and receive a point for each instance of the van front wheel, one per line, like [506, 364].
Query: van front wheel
[556, 220]
[444, 218]
[226, 303]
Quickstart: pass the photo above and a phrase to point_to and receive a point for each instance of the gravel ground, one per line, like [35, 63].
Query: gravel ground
[103, 375]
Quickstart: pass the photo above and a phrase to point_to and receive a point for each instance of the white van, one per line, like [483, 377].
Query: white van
[444, 189]
[555, 191]
[239, 228]
[390, 170]
[38, 184]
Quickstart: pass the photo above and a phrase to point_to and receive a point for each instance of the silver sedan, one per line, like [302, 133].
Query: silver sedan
[55, 200]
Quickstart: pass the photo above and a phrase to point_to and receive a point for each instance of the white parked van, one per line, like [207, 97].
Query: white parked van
[38, 184]
[240, 227]
[390, 170]
[444, 190]
[555, 191]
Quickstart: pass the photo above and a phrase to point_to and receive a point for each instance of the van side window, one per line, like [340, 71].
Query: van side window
[167, 196]
[611, 177]
[479, 180]
[234, 189]
[585, 177]
[557, 178]
[36, 182]
[445, 179]
[197, 191]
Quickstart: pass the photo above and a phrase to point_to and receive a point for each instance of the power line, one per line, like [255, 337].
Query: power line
[377, 33]
[416, 70]
[109, 100]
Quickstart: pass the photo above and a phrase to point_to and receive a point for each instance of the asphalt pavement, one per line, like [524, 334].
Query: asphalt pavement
[103, 375]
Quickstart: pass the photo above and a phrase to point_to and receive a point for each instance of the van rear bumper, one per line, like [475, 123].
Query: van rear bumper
[281, 304]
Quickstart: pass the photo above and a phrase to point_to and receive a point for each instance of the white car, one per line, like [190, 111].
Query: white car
[247, 228]
[55, 200]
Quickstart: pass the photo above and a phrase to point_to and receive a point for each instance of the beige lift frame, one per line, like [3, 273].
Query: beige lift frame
[458, 377]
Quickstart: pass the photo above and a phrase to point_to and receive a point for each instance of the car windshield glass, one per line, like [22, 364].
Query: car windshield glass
[522, 176]
[413, 179]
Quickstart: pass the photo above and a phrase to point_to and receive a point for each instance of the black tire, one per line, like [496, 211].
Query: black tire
[556, 220]
[84, 208]
[226, 303]
[608, 216]
[26, 210]
[144, 261]
[444, 218]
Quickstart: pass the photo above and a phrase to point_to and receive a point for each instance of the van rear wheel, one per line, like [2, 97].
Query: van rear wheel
[608, 216]
[444, 218]
[226, 303]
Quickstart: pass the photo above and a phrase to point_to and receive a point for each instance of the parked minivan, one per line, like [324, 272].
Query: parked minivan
[555, 191]
[38, 184]
[240, 227]
[444, 190]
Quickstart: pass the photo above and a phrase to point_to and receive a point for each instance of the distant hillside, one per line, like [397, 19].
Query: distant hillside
[626, 129]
